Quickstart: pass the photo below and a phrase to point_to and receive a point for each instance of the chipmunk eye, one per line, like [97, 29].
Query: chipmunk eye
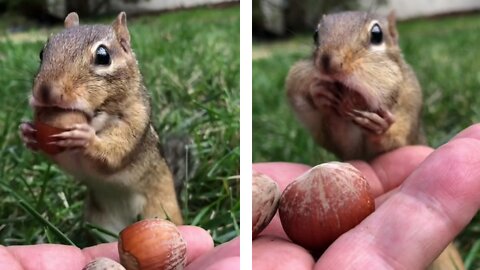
[315, 37]
[101, 56]
[376, 35]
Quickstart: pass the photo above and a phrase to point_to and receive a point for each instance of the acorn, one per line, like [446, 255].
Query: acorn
[152, 244]
[322, 204]
[51, 121]
[265, 197]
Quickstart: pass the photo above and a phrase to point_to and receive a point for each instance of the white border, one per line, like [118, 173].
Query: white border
[246, 134]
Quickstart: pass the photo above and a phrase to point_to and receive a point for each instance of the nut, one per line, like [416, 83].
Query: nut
[265, 197]
[353, 100]
[324, 203]
[103, 264]
[51, 121]
[59, 118]
[152, 244]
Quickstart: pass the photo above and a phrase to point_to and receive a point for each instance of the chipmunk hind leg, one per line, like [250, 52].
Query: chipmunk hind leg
[178, 151]
[449, 259]
[161, 199]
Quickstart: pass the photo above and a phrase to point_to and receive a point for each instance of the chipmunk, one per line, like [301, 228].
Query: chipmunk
[357, 96]
[93, 70]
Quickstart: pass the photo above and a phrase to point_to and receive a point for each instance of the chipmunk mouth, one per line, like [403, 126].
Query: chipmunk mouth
[355, 93]
[77, 106]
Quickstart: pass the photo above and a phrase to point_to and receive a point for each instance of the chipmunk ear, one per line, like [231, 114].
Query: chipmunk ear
[71, 20]
[392, 26]
[121, 30]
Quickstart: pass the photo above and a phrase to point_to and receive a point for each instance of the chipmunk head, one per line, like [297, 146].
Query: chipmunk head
[86, 66]
[359, 51]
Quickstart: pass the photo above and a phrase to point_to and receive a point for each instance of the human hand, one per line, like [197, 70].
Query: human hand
[423, 200]
[200, 254]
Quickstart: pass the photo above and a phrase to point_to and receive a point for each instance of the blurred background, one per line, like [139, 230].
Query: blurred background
[439, 39]
[188, 52]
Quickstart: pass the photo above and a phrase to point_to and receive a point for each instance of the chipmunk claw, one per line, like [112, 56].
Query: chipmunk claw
[27, 135]
[78, 136]
[323, 97]
[376, 122]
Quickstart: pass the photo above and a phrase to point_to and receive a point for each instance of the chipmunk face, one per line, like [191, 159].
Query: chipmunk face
[357, 51]
[84, 67]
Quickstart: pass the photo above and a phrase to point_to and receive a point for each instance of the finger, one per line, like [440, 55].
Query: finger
[282, 172]
[47, 257]
[50, 256]
[230, 263]
[8, 260]
[276, 253]
[223, 251]
[198, 241]
[389, 170]
[108, 250]
[416, 223]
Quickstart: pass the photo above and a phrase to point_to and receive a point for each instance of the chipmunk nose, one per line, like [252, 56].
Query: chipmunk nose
[330, 63]
[44, 93]
[325, 61]
[47, 93]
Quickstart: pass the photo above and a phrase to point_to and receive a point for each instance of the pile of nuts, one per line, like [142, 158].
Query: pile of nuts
[316, 208]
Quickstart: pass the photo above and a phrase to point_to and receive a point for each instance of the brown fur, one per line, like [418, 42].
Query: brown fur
[122, 166]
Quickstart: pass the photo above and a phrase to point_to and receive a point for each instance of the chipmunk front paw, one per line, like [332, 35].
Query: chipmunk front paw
[78, 136]
[27, 134]
[323, 97]
[376, 122]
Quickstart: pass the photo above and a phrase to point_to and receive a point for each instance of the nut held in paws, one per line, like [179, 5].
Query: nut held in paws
[324, 203]
[52, 121]
[265, 197]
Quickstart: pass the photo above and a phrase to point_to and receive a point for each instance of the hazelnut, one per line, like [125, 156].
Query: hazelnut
[352, 100]
[324, 203]
[103, 264]
[265, 197]
[152, 244]
[50, 121]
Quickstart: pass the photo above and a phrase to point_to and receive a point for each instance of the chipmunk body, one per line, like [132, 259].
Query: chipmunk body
[357, 95]
[92, 69]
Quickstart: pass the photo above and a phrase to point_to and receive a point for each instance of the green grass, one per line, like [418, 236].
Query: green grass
[444, 53]
[190, 63]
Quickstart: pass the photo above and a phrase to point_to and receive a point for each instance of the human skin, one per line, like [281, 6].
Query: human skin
[200, 254]
[424, 198]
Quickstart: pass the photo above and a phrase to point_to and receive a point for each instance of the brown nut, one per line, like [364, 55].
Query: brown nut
[59, 118]
[324, 203]
[152, 244]
[103, 264]
[52, 121]
[353, 100]
[265, 197]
